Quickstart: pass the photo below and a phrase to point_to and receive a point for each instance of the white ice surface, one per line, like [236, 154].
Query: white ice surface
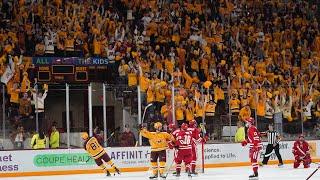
[231, 173]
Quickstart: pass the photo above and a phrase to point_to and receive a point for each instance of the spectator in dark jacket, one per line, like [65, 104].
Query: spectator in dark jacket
[127, 137]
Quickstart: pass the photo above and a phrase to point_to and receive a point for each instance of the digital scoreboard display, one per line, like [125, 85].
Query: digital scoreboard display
[72, 70]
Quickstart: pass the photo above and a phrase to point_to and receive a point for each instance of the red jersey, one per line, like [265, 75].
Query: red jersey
[195, 135]
[300, 148]
[184, 140]
[254, 139]
[175, 133]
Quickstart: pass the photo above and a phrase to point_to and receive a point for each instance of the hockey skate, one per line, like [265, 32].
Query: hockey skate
[154, 176]
[176, 174]
[117, 170]
[108, 173]
[194, 173]
[162, 176]
[280, 165]
[254, 176]
[189, 174]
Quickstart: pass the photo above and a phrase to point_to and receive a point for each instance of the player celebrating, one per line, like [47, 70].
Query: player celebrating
[173, 130]
[184, 145]
[159, 143]
[96, 151]
[255, 146]
[301, 153]
[195, 139]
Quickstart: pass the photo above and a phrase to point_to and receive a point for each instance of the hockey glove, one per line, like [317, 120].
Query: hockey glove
[170, 145]
[244, 143]
[205, 138]
[142, 126]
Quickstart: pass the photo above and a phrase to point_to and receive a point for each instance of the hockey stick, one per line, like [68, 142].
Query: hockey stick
[170, 165]
[313, 173]
[144, 112]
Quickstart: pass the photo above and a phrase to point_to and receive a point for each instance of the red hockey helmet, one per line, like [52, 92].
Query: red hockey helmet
[193, 123]
[301, 135]
[250, 120]
[172, 127]
[184, 126]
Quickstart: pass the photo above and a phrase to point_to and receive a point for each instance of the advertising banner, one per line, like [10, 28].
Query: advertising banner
[233, 153]
[130, 157]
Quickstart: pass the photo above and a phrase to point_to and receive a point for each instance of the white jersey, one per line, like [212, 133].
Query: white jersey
[111, 54]
[49, 46]
[307, 110]
[54, 38]
[269, 111]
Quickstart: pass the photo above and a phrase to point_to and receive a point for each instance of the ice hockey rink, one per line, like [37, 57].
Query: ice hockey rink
[230, 173]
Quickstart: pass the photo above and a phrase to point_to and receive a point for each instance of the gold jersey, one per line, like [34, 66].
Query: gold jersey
[158, 140]
[93, 147]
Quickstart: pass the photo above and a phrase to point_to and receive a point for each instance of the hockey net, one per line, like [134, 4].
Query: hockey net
[171, 165]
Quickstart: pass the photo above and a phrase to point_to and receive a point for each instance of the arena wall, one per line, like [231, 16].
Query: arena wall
[77, 161]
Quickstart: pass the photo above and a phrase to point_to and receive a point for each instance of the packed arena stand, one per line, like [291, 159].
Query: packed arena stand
[225, 60]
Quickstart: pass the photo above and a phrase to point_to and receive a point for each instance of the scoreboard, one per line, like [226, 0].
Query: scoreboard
[72, 70]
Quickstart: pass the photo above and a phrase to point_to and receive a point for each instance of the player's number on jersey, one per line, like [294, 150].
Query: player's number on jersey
[93, 146]
[186, 140]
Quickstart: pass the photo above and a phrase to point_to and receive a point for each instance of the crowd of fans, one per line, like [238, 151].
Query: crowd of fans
[239, 57]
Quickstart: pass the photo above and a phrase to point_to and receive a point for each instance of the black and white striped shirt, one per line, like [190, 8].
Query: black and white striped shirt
[273, 137]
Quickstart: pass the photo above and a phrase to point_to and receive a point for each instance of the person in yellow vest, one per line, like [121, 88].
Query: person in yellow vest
[159, 143]
[240, 133]
[96, 151]
[38, 141]
[54, 141]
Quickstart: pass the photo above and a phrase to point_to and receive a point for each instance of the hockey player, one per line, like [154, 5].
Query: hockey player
[159, 143]
[301, 153]
[184, 145]
[173, 130]
[196, 138]
[96, 151]
[255, 146]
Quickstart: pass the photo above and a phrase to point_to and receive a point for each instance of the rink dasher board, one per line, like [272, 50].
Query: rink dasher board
[129, 159]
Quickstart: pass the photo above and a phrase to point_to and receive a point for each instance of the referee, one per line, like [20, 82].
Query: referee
[273, 144]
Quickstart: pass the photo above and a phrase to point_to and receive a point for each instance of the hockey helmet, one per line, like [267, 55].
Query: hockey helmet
[193, 123]
[250, 120]
[84, 136]
[184, 126]
[157, 125]
[172, 126]
[301, 135]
